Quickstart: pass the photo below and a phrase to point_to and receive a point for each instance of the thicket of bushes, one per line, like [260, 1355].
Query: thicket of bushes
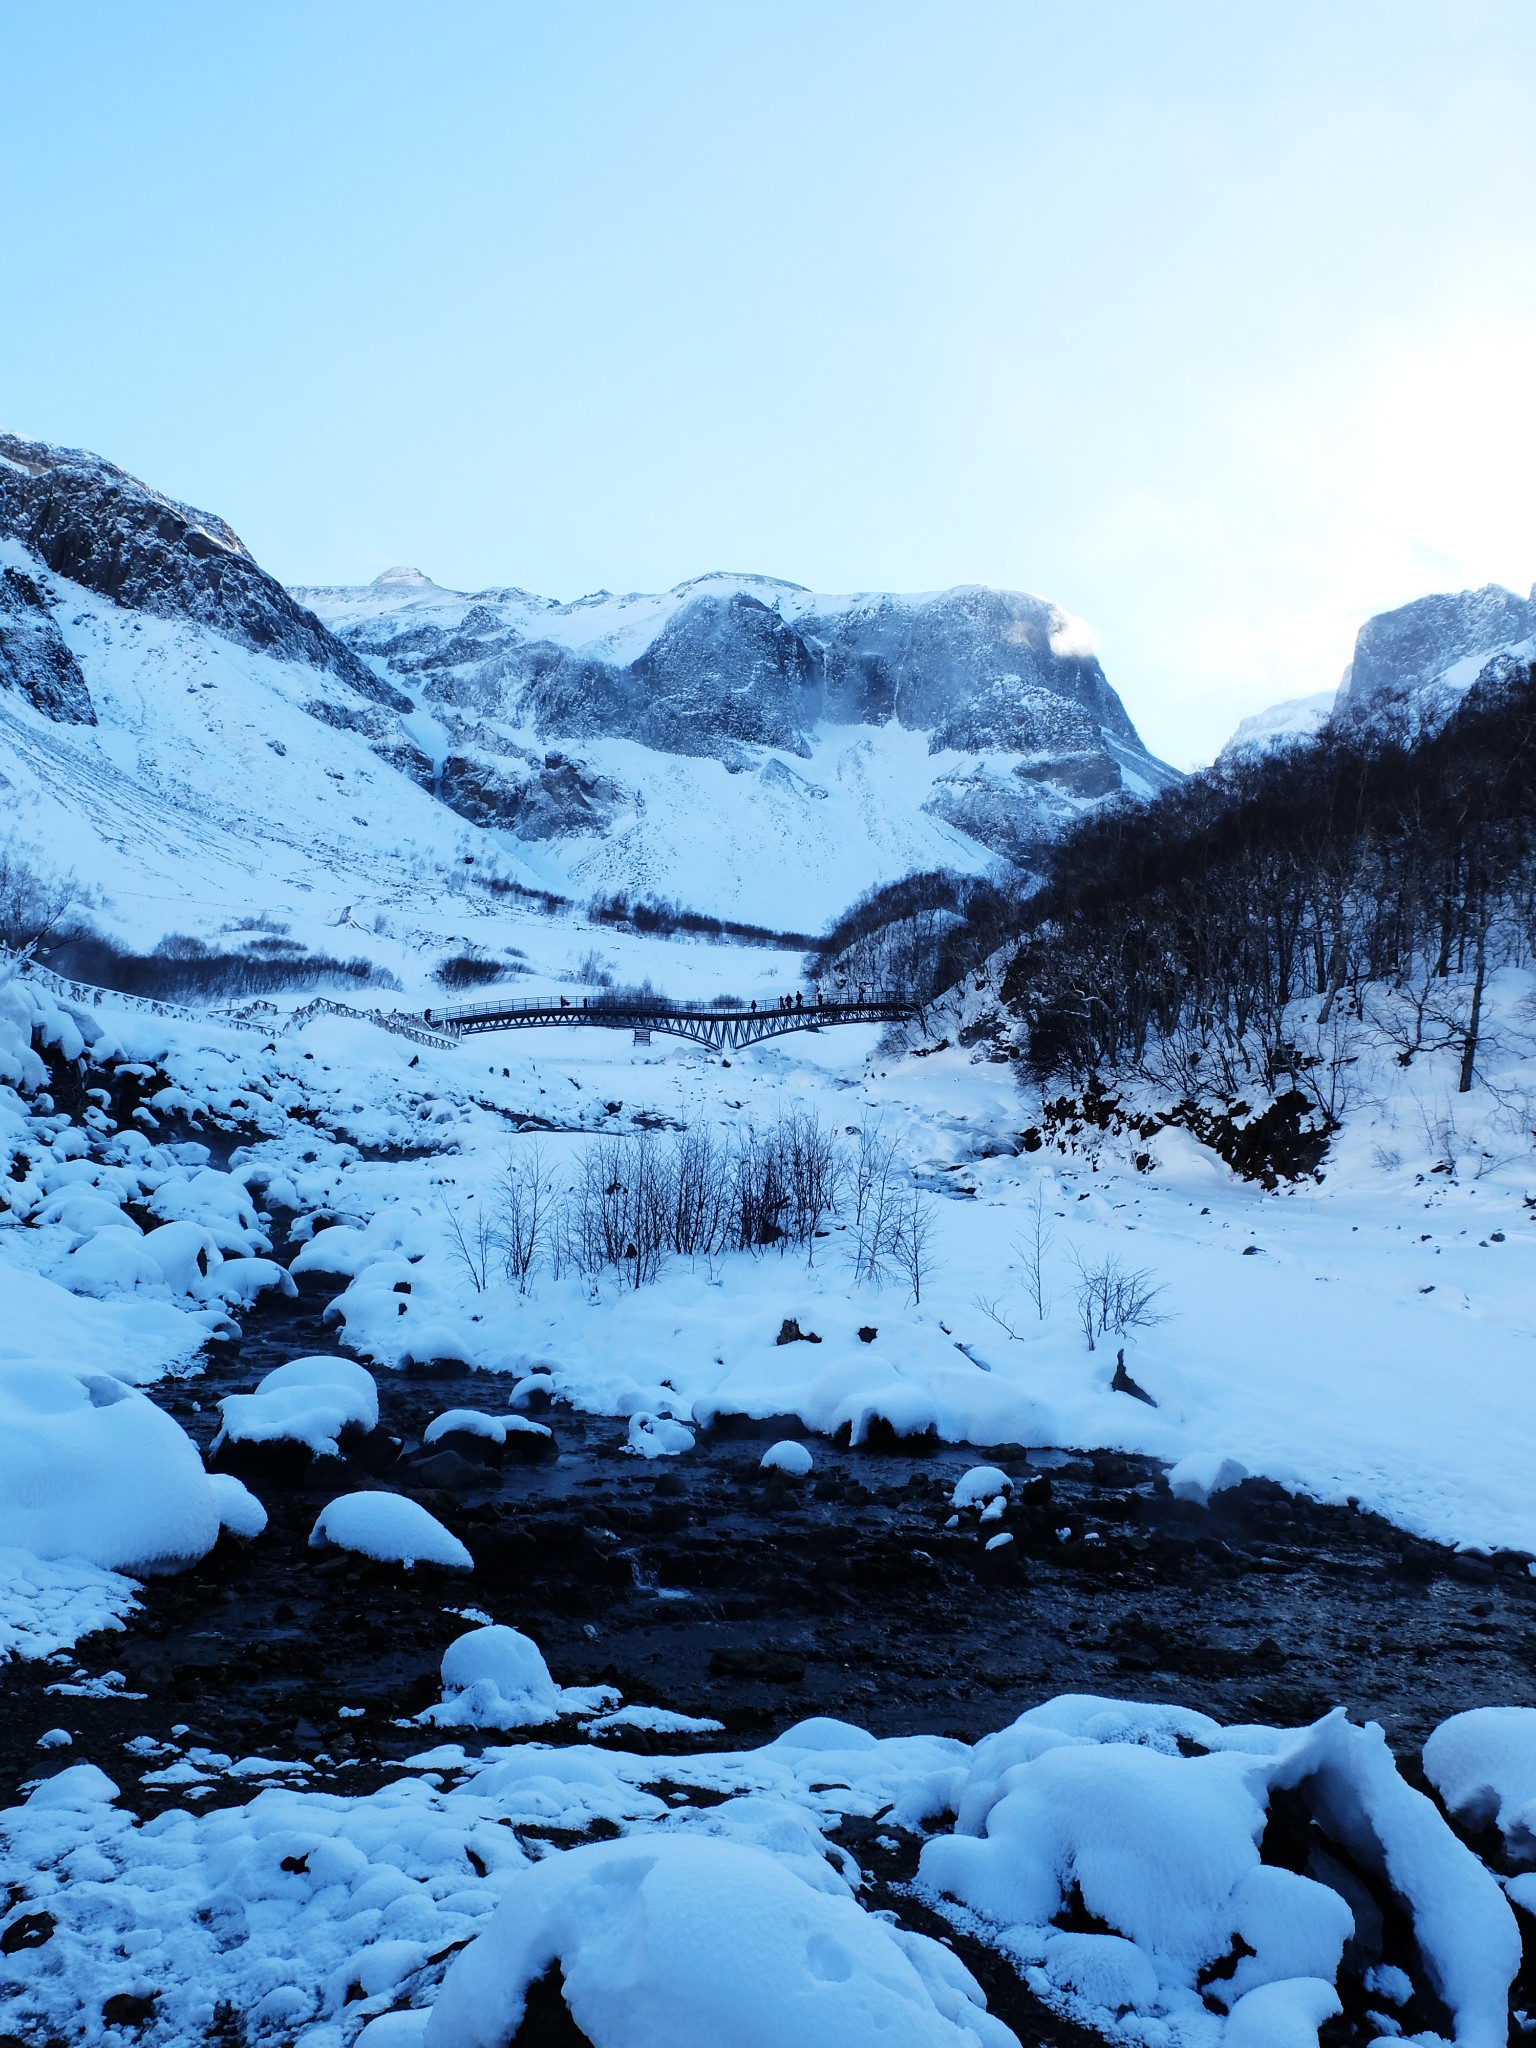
[633, 1201]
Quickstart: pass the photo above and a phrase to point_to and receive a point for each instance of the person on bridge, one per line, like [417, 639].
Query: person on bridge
[799, 1000]
[564, 1003]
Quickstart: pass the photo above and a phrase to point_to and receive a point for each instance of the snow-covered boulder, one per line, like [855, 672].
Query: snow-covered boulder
[495, 1677]
[1092, 1798]
[309, 1401]
[788, 1457]
[979, 1486]
[674, 1941]
[658, 1436]
[389, 1528]
[91, 1468]
[1483, 1765]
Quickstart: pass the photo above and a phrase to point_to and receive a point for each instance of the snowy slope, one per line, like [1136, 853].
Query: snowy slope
[1282, 725]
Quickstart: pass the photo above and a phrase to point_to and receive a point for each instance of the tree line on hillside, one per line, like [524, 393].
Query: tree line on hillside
[1180, 935]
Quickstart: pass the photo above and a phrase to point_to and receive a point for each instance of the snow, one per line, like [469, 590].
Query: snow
[679, 1943]
[1162, 1848]
[789, 1457]
[495, 1677]
[92, 1469]
[980, 1486]
[391, 1529]
[308, 1401]
[473, 1422]
[45, 1605]
[240, 1512]
[1198, 1475]
[1483, 1765]
[657, 1436]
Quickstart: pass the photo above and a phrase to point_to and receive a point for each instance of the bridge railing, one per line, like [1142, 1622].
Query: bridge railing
[666, 1006]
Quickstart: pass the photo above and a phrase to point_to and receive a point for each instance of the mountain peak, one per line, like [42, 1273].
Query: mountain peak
[403, 579]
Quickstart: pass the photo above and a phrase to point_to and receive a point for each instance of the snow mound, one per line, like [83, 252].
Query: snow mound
[495, 1677]
[390, 1529]
[983, 1483]
[678, 1942]
[92, 1469]
[240, 1512]
[308, 1401]
[656, 1436]
[1483, 1765]
[1203, 1473]
[789, 1457]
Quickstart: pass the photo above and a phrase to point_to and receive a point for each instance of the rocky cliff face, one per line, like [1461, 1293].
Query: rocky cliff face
[1425, 655]
[727, 665]
[35, 658]
[101, 528]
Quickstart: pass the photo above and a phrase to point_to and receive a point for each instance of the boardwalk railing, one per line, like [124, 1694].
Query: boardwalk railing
[722, 1029]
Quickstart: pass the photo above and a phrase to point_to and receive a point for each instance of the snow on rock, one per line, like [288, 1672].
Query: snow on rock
[979, 1486]
[677, 1942]
[309, 1401]
[788, 1457]
[495, 1677]
[1203, 1473]
[1162, 1848]
[903, 1406]
[473, 1422]
[1483, 1765]
[240, 1512]
[657, 1436]
[92, 1469]
[391, 1529]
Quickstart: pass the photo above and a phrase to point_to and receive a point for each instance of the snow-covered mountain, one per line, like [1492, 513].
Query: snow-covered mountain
[971, 712]
[736, 744]
[1426, 655]
[1282, 725]
[1419, 660]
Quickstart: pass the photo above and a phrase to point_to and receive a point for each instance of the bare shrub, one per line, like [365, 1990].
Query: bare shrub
[616, 1210]
[472, 1228]
[1115, 1298]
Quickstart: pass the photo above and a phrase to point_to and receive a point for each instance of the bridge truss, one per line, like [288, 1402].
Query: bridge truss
[721, 1030]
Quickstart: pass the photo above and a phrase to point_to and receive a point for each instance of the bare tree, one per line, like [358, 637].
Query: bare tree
[1038, 1235]
[876, 1189]
[911, 1238]
[528, 1200]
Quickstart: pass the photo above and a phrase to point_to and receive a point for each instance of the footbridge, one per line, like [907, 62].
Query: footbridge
[723, 1027]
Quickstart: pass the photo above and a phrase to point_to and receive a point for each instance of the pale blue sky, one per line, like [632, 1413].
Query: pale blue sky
[1215, 323]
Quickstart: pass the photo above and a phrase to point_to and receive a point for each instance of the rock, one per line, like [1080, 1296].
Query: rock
[31, 1930]
[93, 523]
[790, 1332]
[762, 1667]
[35, 659]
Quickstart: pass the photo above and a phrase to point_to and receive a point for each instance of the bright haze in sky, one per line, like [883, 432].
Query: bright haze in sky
[1214, 323]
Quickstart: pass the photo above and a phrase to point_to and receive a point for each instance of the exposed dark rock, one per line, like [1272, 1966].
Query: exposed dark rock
[1399, 655]
[91, 522]
[35, 659]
